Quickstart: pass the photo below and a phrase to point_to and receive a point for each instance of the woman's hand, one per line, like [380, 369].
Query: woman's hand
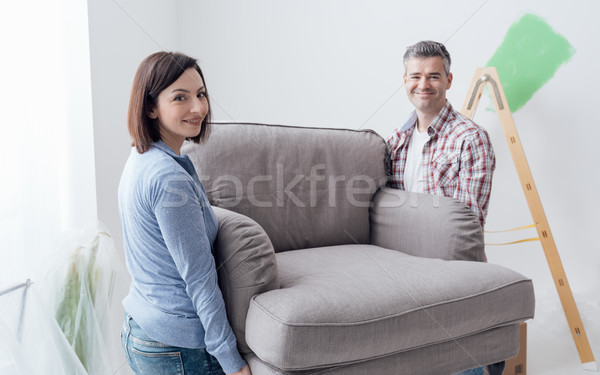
[244, 371]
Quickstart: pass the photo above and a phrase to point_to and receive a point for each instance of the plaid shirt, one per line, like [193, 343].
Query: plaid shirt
[458, 159]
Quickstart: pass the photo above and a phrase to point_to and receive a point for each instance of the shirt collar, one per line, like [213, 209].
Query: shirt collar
[183, 160]
[437, 123]
[161, 145]
[440, 120]
[412, 120]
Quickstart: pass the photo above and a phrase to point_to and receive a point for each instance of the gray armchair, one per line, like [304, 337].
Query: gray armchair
[324, 270]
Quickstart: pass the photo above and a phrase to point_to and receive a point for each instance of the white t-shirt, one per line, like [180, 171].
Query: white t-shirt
[413, 171]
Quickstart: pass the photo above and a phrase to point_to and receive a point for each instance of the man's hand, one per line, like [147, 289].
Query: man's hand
[244, 371]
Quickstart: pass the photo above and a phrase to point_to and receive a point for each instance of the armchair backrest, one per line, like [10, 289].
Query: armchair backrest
[307, 187]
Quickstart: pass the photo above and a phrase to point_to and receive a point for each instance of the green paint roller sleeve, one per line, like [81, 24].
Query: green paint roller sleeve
[529, 56]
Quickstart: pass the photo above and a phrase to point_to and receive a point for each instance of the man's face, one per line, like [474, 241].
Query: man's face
[426, 83]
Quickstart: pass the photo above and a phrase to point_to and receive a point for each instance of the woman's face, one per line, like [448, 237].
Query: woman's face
[180, 109]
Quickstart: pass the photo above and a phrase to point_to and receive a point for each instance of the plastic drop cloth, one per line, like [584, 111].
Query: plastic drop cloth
[72, 312]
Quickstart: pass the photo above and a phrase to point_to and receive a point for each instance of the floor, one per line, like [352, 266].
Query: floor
[551, 349]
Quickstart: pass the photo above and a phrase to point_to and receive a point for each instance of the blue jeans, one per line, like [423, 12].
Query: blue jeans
[493, 369]
[146, 356]
[475, 371]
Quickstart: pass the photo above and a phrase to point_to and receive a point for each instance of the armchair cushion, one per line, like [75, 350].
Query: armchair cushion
[486, 347]
[352, 303]
[426, 225]
[246, 266]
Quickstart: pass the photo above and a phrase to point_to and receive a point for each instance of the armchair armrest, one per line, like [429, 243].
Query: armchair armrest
[426, 225]
[246, 266]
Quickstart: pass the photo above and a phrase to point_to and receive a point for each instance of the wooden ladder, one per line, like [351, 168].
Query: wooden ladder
[490, 77]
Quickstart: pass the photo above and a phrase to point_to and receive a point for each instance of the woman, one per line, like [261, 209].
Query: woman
[175, 315]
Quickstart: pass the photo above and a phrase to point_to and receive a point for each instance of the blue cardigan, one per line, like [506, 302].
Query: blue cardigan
[169, 229]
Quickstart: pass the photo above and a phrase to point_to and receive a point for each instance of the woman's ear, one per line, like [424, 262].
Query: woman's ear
[153, 113]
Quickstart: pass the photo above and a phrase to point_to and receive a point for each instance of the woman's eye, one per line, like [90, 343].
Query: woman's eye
[202, 94]
[179, 98]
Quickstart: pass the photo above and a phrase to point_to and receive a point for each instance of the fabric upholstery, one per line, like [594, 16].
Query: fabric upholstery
[350, 303]
[426, 225]
[448, 357]
[307, 187]
[246, 266]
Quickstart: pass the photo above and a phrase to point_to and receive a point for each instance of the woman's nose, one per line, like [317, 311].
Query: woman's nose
[199, 105]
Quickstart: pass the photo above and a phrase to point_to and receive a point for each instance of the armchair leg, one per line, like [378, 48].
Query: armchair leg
[518, 365]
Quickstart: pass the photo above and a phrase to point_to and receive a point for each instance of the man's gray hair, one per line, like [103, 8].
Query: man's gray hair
[428, 48]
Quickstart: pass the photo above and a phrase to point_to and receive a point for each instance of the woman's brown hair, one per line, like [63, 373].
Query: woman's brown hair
[157, 72]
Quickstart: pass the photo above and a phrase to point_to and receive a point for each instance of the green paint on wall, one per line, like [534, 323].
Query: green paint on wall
[529, 56]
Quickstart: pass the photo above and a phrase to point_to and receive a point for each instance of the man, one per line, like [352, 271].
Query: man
[438, 150]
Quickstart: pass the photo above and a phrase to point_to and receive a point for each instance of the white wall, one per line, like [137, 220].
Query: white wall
[122, 34]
